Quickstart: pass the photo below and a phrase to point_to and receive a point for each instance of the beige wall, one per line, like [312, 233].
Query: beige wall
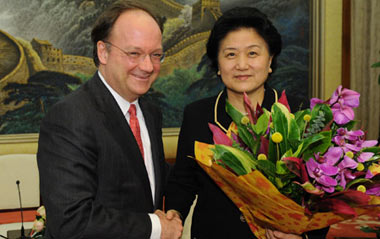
[332, 52]
[330, 76]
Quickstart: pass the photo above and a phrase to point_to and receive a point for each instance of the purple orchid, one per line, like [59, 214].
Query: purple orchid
[364, 156]
[322, 174]
[343, 176]
[360, 144]
[345, 97]
[373, 190]
[352, 140]
[344, 170]
[369, 174]
[323, 168]
[342, 114]
[315, 101]
[342, 102]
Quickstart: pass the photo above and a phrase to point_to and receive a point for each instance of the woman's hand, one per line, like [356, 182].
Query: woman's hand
[280, 235]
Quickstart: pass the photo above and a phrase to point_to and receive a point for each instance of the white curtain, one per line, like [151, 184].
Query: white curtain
[365, 51]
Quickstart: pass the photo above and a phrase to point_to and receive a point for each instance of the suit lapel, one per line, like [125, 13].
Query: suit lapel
[115, 122]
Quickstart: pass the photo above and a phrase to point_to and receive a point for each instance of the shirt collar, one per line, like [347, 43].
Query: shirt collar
[123, 103]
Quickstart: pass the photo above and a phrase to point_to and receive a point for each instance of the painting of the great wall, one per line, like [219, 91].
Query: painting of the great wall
[46, 53]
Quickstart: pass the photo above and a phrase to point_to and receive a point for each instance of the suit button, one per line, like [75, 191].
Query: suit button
[242, 218]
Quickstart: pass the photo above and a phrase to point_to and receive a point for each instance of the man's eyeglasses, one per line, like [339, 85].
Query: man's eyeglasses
[137, 56]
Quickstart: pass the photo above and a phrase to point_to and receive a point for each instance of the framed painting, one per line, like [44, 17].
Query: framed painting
[46, 53]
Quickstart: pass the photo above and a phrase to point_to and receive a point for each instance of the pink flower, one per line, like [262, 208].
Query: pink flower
[219, 136]
[342, 102]
[322, 170]
[360, 144]
[364, 156]
[283, 100]
[373, 190]
[345, 97]
[38, 225]
[344, 170]
[315, 101]
[342, 113]
[352, 140]
[253, 114]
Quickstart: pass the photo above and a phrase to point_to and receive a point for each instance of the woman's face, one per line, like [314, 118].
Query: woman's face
[244, 61]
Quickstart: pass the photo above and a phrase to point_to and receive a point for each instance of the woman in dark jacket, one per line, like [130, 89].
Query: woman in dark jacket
[243, 47]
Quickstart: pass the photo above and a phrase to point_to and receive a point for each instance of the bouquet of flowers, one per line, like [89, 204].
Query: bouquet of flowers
[38, 229]
[295, 172]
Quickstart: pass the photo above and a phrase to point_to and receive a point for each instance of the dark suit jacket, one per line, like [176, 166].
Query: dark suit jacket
[92, 176]
[215, 215]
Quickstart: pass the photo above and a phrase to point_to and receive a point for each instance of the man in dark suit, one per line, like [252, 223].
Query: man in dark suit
[100, 153]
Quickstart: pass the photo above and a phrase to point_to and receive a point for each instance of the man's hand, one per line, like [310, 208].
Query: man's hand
[270, 234]
[170, 228]
[173, 214]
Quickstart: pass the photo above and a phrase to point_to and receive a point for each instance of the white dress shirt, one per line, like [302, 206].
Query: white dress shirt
[124, 107]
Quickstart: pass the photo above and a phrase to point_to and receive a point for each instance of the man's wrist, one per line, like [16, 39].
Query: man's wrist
[156, 226]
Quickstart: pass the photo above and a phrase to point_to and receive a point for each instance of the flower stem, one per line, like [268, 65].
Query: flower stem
[278, 152]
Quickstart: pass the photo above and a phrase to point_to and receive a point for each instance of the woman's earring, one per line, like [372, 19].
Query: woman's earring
[270, 70]
[218, 73]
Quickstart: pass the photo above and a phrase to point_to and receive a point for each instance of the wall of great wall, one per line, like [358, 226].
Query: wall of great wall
[186, 53]
[190, 50]
[78, 64]
[27, 62]
[19, 74]
[170, 7]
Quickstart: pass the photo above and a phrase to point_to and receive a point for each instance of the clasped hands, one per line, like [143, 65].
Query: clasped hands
[171, 224]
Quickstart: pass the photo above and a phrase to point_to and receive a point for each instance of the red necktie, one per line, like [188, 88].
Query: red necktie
[135, 127]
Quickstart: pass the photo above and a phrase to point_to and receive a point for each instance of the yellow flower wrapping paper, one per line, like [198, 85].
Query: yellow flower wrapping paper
[262, 205]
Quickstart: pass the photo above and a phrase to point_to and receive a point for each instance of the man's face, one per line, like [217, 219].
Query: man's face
[128, 58]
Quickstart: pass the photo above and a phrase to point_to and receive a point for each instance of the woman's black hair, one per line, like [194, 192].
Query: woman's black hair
[243, 17]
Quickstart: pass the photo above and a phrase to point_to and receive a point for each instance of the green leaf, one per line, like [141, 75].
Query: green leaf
[229, 159]
[294, 134]
[370, 230]
[375, 149]
[298, 152]
[378, 80]
[279, 183]
[328, 115]
[318, 146]
[239, 161]
[246, 136]
[272, 151]
[262, 123]
[299, 116]
[280, 118]
[300, 121]
[243, 130]
[377, 64]
[234, 113]
[288, 153]
[267, 167]
[281, 168]
[358, 180]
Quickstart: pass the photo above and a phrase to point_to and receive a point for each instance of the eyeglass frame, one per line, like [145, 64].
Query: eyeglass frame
[140, 58]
